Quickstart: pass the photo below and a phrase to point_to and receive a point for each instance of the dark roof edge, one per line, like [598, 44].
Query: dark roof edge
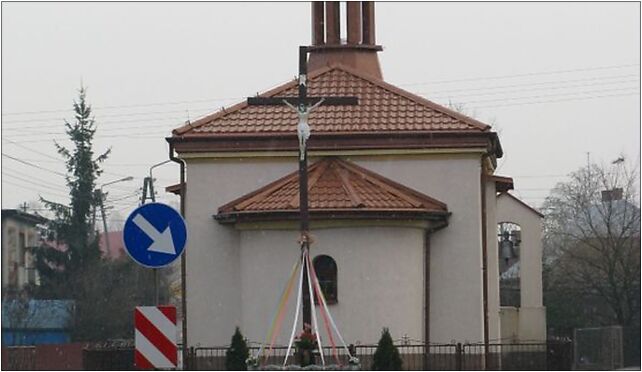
[350, 214]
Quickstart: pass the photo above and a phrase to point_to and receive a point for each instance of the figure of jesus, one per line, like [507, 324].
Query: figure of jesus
[303, 128]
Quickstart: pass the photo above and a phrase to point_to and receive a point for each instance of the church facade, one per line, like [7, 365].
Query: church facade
[404, 207]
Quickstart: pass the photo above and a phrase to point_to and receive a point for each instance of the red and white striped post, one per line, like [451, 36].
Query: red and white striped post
[155, 337]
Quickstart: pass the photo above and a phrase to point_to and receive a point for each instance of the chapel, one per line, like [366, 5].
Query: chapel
[404, 205]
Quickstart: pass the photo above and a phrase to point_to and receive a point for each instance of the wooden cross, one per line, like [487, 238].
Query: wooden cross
[303, 105]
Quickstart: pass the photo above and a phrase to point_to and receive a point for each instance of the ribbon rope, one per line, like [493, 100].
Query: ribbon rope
[279, 309]
[334, 326]
[296, 314]
[314, 310]
[326, 322]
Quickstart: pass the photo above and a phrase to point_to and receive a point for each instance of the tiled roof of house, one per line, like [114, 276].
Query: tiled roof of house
[382, 108]
[337, 188]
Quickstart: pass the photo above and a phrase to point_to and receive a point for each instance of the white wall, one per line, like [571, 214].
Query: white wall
[455, 251]
[214, 258]
[492, 265]
[380, 280]
[213, 266]
[531, 315]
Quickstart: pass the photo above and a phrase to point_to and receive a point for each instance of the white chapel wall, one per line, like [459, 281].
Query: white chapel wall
[213, 260]
[380, 271]
[215, 283]
[492, 263]
[455, 261]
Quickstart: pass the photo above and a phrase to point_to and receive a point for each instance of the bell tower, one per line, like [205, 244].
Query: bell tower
[357, 50]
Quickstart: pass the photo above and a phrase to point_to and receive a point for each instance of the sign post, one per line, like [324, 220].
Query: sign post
[155, 235]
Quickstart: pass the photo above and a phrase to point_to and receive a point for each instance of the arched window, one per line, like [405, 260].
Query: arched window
[326, 270]
[509, 239]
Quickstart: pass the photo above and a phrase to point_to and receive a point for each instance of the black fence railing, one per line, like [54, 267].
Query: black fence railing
[554, 355]
[17, 358]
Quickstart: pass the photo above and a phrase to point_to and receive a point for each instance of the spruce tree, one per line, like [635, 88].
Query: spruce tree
[237, 353]
[386, 357]
[66, 272]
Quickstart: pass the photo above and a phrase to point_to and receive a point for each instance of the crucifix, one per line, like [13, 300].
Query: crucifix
[303, 105]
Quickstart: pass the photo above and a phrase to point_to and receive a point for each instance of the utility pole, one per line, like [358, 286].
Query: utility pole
[101, 195]
[148, 187]
[102, 215]
[303, 106]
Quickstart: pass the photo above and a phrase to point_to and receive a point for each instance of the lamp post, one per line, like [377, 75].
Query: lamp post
[148, 186]
[102, 206]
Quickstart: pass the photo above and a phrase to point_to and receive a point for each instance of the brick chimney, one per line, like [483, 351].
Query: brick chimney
[358, 50]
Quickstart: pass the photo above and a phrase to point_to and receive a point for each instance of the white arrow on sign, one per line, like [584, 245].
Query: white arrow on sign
[163, 242]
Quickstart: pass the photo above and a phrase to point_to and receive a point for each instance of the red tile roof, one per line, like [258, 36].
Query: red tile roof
[337, 189]
[382, 107]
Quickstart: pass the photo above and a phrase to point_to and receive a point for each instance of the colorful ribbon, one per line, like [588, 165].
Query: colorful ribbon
[278, 316]
[326, 322]
[296, 314]
[314, 310]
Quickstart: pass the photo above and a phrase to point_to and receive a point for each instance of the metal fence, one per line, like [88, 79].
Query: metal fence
[19, 358]
[556, 355]
[553, 355]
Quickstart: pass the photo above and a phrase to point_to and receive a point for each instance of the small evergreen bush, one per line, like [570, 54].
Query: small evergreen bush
[237, 353]
[386, 357]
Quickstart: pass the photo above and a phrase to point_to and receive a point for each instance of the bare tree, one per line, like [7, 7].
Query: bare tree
[592, 239]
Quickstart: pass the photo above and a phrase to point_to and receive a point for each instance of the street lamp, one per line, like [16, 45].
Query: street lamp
[149, 182]
[102, 206]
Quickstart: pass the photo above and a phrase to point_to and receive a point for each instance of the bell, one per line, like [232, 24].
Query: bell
[506, 250]
[516, 237]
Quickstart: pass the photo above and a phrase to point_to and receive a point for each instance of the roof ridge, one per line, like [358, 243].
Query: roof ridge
[344, 176]
[412, 96]
[317, 172]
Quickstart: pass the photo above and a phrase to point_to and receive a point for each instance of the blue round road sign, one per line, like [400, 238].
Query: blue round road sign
[155, 235]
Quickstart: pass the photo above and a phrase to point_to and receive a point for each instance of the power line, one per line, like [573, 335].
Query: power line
[120, 107]
[523, 74]
[552, 95]
[33, 165]
[47, 183]
[32, 182]
[562, 100]
[536, 89]
[46, 155]
[99, 108]
[4, 138]
[129, 114]
[160, 130]
[33, 189]
[556, 82]
[127, 137]
[146, 135]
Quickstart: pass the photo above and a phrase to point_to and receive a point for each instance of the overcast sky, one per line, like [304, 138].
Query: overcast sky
[557, 80]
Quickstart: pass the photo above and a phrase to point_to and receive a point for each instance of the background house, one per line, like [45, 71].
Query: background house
[20, 233]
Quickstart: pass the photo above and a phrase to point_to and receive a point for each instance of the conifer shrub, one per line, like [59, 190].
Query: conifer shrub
[386, 357]
[237, 353]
